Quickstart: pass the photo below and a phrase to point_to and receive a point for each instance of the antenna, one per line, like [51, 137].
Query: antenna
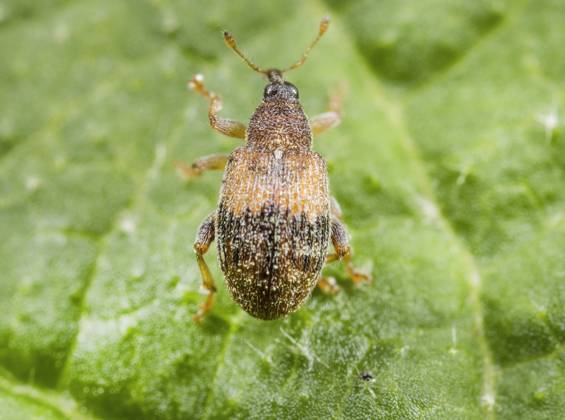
[231, 42]
[324, 24]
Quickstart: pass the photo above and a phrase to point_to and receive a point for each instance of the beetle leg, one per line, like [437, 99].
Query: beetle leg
[205, 163]
[225, 126]
[331, 118]
[204, 237]
[343, 251]
[328, 285]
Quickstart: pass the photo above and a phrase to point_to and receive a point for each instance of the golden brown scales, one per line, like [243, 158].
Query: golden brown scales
[275, 215]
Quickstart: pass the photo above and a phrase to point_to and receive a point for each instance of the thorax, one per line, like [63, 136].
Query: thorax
[279, 126]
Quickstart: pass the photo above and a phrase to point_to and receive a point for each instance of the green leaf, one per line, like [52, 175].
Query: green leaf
[449, 166]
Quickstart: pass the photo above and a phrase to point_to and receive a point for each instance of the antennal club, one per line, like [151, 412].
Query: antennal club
[324, 24]
[230, 42]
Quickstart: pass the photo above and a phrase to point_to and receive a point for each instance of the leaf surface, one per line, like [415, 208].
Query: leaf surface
[449, 167]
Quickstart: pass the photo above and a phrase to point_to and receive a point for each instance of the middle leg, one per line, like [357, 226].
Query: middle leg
[331, 118]
[205, 163]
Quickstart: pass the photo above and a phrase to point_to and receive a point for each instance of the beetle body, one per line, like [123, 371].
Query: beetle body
[273, 219]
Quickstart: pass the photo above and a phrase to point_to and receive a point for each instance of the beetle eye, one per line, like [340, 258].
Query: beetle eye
[270, 91]
[292, 89]
[294, 92]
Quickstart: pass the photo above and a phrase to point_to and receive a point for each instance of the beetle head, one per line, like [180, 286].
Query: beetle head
[284, 91]
[278, 89]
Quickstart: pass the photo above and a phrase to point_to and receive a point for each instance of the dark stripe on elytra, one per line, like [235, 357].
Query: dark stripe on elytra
[265, 224]
[275, 236]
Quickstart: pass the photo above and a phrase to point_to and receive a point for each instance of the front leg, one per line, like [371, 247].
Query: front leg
[204, 237]
[205, 163]
[225, 126]
[329, 119]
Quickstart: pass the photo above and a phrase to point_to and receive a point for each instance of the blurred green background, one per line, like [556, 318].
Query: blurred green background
[449, 166]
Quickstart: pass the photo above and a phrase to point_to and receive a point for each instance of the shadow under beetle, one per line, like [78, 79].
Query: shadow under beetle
[275, 215]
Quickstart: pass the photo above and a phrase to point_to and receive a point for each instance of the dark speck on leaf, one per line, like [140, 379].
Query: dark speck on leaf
[367, 376]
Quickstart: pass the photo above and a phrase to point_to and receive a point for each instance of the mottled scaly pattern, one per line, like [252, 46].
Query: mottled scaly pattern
[271, 260]
[273, 219]
[279, 125]
[289, 179]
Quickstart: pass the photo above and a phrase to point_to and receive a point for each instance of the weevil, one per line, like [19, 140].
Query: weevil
[275, 216]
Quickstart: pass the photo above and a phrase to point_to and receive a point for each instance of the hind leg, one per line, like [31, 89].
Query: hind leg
[204, 237]
[342, 248]
[328, 285]
[340, 241]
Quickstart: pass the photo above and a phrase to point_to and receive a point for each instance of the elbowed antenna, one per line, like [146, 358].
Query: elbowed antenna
[230, 41]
